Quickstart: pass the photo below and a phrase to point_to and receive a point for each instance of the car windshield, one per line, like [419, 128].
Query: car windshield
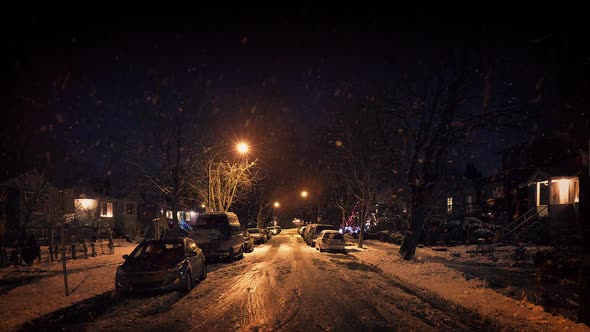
[333, 236]
[211, 227]
[158, 248]
[318, 229]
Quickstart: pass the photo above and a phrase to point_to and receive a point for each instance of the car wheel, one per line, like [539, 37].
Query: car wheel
[203, 275]
[188, 281]
[240, 254]
[119, 291]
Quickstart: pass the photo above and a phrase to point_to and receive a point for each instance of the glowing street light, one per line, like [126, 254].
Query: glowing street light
[304, 194]
[242, 147]
[277, 204]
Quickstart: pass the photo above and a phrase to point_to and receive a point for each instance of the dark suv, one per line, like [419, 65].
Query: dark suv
[219, 234]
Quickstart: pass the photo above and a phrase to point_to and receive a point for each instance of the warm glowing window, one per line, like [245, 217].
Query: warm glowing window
[168, 214]
[450, 205]
[131, 208]
[565, 191]
[85, 203]
[106, 209]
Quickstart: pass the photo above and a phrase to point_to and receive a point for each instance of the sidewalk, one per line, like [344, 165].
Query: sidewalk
[29, 292]
[435, 275]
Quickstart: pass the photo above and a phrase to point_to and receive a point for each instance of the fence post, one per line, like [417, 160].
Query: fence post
[73, 251]
[85, 248]
[111, 244]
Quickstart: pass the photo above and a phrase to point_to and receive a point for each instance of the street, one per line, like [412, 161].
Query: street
[283, 285]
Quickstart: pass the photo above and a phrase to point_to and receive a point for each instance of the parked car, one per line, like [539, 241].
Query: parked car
[314, 230]
[258, 235]
[248, 242]
[330, 240]
[267, 232]
[305, 232]
[164, 264]
[274, 230]
[219, 234]
[301, 229]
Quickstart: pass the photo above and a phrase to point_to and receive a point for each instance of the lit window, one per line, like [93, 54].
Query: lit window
[168, 214]
[131, 208]
[565, 191]
[106, 209]
[450, 205]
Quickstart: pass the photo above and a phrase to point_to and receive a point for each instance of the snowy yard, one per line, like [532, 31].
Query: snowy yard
[29, 292]
[501, 289]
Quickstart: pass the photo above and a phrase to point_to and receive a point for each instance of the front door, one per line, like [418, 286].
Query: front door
[542, 198]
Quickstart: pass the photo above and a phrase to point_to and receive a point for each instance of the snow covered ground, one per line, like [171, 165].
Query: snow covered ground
[473, 282]
[29, 292]
[464, 279]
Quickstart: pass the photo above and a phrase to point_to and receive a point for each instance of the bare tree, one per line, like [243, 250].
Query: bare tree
[168, 151]
[230, 181]
[358, 157]
[434, 114]
[34, 197]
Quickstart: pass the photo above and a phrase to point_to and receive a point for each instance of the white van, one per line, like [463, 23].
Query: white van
[219, 234]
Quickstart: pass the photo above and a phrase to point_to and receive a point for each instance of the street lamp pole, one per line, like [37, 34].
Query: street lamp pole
[276, 214]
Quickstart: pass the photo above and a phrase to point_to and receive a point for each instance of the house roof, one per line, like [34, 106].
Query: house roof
[545, 174]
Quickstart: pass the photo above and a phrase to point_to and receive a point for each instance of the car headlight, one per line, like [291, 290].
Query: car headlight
[178, 268]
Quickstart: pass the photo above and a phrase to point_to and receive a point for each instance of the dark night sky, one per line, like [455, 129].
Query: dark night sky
[76, 72]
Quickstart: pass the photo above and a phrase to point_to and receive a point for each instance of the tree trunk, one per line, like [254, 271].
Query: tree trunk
[412, 236]
[362, 218]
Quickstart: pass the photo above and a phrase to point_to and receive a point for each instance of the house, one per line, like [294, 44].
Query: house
[542, 188]
[127, 215]
[552, 202]
[30, 204]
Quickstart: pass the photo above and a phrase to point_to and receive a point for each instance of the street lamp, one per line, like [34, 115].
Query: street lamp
[242, 147]
[276, 214]
[304, 194]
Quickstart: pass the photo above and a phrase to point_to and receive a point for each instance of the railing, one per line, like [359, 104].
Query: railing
[522, 220]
